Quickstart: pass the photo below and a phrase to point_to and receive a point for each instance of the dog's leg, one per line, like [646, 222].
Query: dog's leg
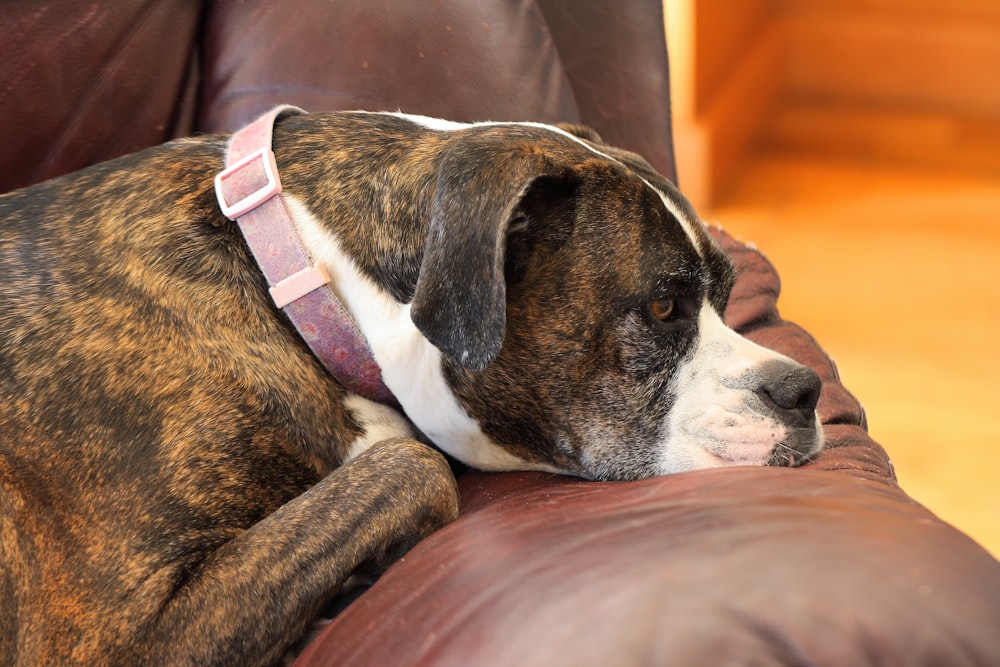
[255, 595]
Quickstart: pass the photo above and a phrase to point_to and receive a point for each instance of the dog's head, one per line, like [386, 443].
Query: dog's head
[577, 301]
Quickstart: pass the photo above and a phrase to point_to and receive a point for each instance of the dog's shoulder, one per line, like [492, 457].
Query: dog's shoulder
[130, 305]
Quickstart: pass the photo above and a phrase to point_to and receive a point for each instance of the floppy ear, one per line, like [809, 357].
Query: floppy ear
[460, 300]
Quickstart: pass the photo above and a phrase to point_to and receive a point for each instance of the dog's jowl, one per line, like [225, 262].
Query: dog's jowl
[206, 425]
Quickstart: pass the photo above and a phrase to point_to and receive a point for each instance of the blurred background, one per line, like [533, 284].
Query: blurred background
[857, 143]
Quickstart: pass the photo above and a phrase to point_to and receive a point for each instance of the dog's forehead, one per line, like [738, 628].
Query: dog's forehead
[562, 144]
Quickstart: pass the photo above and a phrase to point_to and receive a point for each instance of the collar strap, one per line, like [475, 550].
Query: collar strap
[249, 192]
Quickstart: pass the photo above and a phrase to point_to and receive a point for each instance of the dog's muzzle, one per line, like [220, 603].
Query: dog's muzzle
[790, 392]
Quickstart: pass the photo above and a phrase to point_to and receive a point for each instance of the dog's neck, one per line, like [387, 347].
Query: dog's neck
[249, 191]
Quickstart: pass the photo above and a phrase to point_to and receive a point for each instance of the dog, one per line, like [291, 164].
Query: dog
[184, 479]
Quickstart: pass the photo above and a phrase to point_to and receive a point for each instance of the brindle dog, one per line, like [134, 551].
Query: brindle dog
[182, 482]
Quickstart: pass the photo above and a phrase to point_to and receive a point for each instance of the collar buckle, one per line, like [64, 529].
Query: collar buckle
[235, 180]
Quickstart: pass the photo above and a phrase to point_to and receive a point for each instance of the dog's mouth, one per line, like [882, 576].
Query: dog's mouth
[782, 455]
[748, 436]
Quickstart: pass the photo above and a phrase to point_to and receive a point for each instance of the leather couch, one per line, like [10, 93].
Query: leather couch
[828, 564]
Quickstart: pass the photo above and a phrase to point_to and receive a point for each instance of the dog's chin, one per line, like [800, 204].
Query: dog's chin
[797, 447]
[772, 446]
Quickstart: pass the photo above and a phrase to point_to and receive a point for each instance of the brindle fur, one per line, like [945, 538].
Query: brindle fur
[169, 448]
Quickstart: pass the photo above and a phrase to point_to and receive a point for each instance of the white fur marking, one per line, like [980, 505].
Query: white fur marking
[379, 422]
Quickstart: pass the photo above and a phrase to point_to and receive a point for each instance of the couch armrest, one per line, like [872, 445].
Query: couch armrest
[828, 564]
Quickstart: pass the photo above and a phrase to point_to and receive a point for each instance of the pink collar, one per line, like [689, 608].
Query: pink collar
[297, 285]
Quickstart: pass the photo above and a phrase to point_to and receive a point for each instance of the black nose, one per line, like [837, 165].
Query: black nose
[791, 387]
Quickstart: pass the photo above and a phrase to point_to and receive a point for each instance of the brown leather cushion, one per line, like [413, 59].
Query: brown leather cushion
[85, 82]
[748, 567]
[827, 564]
[483, 61]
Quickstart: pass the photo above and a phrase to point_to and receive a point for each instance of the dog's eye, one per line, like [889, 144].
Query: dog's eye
[662, 309]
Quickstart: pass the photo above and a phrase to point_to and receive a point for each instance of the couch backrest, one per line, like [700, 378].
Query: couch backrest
[85, 82]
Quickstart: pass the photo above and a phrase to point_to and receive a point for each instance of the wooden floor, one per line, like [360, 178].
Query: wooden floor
[896, 271]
